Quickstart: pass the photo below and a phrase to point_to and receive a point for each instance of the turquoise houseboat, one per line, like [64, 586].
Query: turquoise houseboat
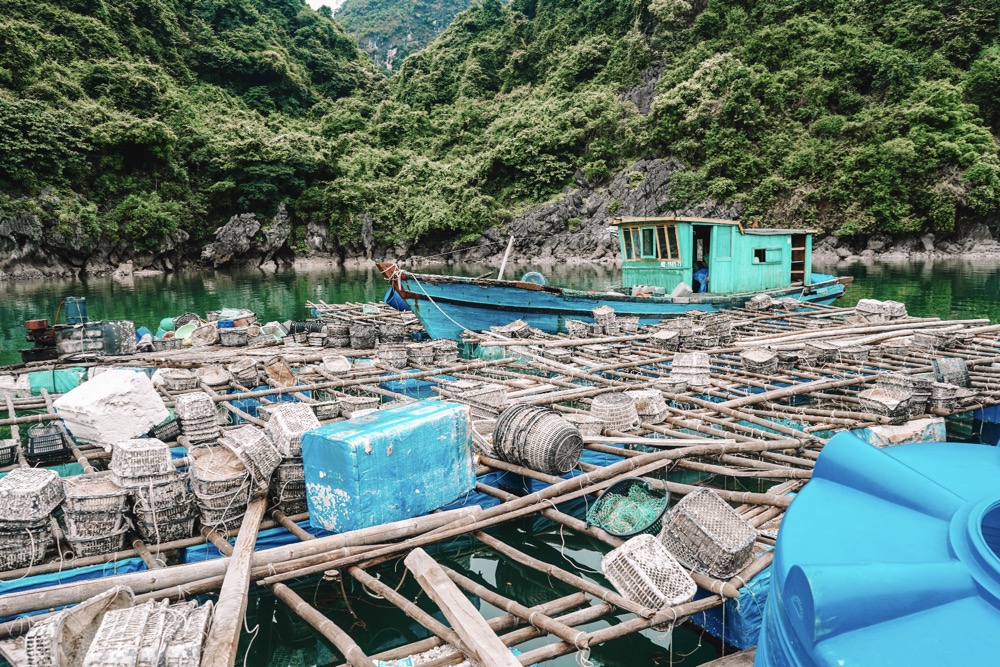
[669, 266]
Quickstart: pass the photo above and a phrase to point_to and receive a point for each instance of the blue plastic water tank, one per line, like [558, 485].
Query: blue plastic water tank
[76, 309]
[889, 557]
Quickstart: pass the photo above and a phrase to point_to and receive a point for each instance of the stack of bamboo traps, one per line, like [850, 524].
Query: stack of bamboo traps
[688, 409]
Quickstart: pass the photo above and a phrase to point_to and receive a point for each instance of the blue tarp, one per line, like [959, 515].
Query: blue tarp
[739, 618]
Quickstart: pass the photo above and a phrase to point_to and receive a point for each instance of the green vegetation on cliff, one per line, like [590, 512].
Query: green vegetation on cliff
[129, 120]
[122, 122]
[390, 30]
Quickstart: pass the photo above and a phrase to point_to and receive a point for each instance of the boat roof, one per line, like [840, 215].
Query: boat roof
[616, 222]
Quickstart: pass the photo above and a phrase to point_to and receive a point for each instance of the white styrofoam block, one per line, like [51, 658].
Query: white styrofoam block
[116, 405]
[15, 387]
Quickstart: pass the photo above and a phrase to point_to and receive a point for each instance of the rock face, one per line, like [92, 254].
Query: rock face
[575, 226]
[243, 241]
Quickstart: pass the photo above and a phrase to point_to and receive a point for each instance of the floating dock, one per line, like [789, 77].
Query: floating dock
[751, 394]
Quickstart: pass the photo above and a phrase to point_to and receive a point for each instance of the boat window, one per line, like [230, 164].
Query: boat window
[767, 256]
[649, 243]
[627, 242]
[672, 244]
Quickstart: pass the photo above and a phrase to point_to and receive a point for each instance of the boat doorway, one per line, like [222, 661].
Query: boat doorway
[798, 276]
[700, 253]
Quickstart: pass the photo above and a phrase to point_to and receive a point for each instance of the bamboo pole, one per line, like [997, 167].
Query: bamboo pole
[227, 620]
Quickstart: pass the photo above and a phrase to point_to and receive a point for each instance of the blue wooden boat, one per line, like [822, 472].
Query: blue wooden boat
[669, 266]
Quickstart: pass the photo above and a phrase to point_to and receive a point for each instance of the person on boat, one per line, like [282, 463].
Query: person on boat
[700, 277]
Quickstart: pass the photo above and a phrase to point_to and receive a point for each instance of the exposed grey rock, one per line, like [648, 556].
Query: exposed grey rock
[975, 232]
[844, 252]
[642, 96]
[927, 240]
[276, 234]
[232, 240]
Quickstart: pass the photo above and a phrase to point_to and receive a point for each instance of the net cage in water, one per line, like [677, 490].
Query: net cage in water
[537, 438]
[706, 534]
[629, 507]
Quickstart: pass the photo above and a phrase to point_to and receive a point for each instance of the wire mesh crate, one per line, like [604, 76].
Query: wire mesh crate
[951, 371]
[91, 493]
[287, 424]
[628, 324]
[649, 404]
[629, 507]
[167, 430]
[8, 451]
[851, 353]
[141, 457]
[617, 410]
[255, 451]
[666, 339]
[179, 379]
[317, 339]
[97, 545]
[225, 520]
[445, 351]
[577, 328]
[28, 495]
[644, 571]
[325, 410]
[537, 438]
[184, 649]
[706, 534]
[46, 442]
[92, 524]
[760, 360]
[65, 637]
[515, 329]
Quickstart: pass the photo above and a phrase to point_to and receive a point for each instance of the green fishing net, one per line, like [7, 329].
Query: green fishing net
[625, 511]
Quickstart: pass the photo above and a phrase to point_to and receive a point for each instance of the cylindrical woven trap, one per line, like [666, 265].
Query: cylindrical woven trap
[759, 360]
[649, 404]
[537, 438]
[362, 336]
[617, 410]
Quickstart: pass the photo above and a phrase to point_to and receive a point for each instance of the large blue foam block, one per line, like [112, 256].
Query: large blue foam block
[388, 465]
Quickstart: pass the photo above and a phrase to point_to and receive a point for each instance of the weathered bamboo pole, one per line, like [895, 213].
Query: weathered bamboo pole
[227, 620]
[486, 647]
[347, 646]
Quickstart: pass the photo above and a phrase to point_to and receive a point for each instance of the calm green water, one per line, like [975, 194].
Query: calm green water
[277, 638]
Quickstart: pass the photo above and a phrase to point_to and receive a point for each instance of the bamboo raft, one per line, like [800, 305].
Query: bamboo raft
[752, 393]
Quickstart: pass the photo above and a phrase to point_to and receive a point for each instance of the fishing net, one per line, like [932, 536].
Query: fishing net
[629, 507]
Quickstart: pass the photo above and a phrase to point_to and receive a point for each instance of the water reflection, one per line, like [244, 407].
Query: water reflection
[947, 289]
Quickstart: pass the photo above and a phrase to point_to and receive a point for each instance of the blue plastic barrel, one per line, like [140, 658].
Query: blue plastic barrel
[888, 557]
[76, 309]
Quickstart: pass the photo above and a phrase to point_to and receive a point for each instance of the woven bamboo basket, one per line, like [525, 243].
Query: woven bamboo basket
[317, 339]
[586, 424]
[351, 405]
[603, 315]
[217, 471]
[577, 328]
[287, 424]
[161, 531]
[194, 407]
[616, 410]
[172, 491]
[24, 546]
[244, 371]
[691, 367]
[629, 324]
[515, 329]
[234, 337]
[645, 572]
[537, 438]
[144, 457]
[759, 360]
[255, 451]
[666, 339]
[706, 534]
[28, 495]
[65, 637]
[393, 354]
[92, 524]
[179, 379]
[362, 336]
[165, 344]
[279, 371]
[92, 494]
[392, 332]
[117, 641]
[420, 354]
[95, 546]
[445, 352]
[326, 410]
[649, 404]
[184, 649]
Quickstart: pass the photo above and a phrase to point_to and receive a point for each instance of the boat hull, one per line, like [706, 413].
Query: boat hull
[448, 305]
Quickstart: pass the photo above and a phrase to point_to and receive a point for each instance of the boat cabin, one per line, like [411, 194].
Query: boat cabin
[665, 252]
